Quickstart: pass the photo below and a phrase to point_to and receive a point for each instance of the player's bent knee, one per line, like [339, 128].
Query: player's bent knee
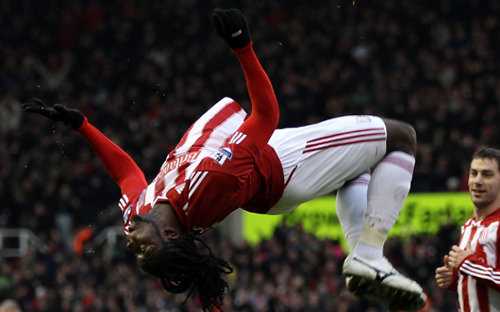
[401, 136]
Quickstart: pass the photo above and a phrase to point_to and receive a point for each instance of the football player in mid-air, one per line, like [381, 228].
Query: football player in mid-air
[228, 160]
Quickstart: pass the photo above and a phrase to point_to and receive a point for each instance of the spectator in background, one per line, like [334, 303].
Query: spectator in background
[10, 113]
[471, 267]
[55, 74]
[10, 305]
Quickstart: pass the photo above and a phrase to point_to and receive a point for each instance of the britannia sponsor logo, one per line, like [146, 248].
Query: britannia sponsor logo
[176, 163]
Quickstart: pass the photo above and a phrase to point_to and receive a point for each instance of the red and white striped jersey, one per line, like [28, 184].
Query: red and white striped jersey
[478, 283]
[222, 163]
[198, 181]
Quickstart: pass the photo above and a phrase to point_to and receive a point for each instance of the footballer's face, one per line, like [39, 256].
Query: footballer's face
[484, 184]
[144, 237]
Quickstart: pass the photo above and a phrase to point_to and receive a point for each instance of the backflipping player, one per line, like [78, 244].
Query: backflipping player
[472, 268]
[227, 161]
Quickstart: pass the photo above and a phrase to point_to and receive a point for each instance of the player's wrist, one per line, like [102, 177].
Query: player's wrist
[244, 49]
[83, 125]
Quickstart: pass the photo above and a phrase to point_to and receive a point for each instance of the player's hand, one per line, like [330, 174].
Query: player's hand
[444, 274]
[457, 255]
[70, 117]
[231, 25]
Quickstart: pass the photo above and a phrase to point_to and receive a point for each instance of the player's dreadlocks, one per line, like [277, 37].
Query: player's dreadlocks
[181, 266]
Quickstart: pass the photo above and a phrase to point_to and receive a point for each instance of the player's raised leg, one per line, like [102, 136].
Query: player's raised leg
[350, 208]
[368, 273]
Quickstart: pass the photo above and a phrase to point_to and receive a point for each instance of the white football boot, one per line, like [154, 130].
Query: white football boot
[377, 280]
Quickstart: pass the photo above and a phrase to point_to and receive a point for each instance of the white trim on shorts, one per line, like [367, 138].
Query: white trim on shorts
[318, 159]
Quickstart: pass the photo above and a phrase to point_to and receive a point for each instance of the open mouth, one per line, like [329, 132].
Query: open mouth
[478, 192]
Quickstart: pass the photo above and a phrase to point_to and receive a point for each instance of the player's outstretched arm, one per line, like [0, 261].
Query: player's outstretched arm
[70, 117]
[231, 25]
[119, 165]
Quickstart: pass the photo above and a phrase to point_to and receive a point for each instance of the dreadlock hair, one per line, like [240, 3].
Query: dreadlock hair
[181, 266]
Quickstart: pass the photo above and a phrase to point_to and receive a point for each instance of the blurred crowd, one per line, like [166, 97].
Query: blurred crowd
[293, 271]
[142, 71]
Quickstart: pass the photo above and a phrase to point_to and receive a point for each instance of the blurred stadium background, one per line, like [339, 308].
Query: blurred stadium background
[142, 71]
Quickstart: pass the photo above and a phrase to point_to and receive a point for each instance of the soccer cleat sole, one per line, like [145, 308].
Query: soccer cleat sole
[393, 298]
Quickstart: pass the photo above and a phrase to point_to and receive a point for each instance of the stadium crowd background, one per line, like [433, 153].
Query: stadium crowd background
[142, 71]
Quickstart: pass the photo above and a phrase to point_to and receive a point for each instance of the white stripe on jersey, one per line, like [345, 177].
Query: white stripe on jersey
[466, 233]
[220, 134]
[150, 196]
[224, 118]
[480, 271]
[237, 138]
[123, 202]
[472, 291]
[460, 293]
[197, 179]
[197, 129]
[481, 235]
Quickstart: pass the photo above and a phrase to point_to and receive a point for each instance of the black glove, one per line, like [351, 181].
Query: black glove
[231, 25]
[68, 116]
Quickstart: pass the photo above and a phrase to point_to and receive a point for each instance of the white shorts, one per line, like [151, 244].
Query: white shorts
[318, 159]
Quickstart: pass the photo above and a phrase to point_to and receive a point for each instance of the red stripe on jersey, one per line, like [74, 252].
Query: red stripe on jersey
[218, 119]
[343, 143]
[482, 298]
[497, 263]
[465, 283]
[481, 290]
[227, 111]
[184, 137]
[465, 226]
[209, 127]
[465, 295]
[197, 179]
[346, 133]
[479, 279]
